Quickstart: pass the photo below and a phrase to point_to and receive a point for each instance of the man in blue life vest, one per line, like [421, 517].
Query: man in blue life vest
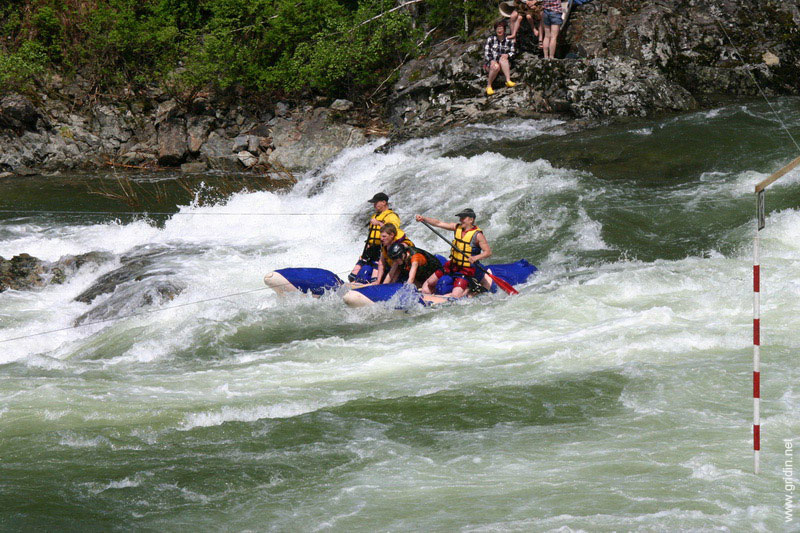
[372, 248]
[469, 246]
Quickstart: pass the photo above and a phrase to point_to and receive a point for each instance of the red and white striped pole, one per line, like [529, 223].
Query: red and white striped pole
[757, 340]
[761, 221]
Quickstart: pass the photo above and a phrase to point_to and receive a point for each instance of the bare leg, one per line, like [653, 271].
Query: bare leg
[546, 43]
[553, 39]
[506, 67]
[494, 69]
[532, 25]
[541, 32]
[515, 21]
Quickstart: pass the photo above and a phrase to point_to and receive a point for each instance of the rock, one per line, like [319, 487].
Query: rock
[247, 159]
[240, 142]
[139, 281]
[137, 158]
[166, 110]
[111, 124]
[25, 171]
[770, 59]
[18, 113]
[198, 129]
[131, 297]
[194, 167]
[6, 174]
[245, 142]
[25, 272]
[21, 272]
[341, 105]
[312, 141]
[281, 109]
[172, 145]
[253, 143]
[69, 264]
[216, 151]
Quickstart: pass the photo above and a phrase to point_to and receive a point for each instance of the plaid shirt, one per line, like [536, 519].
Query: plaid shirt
[495, 48]
[552, 5]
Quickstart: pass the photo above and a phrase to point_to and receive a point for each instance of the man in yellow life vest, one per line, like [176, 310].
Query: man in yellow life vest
[469, 246]
[390, 234]
[372, 248]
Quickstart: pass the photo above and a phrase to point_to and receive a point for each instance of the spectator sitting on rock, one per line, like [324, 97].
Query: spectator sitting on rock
[498, 53]
[534, 8]
[551, 20]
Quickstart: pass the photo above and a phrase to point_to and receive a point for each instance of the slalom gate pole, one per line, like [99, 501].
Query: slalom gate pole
[757, 342]
[760, 223]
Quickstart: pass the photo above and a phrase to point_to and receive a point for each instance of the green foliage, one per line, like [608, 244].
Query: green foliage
[334, 47]
[19, 70]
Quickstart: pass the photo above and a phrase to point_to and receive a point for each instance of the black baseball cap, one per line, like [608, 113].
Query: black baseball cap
[381, 196]
[468, 212]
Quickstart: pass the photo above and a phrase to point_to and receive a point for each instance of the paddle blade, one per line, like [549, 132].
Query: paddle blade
[503, 284]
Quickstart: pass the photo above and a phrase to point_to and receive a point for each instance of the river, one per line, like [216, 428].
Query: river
[613, 394]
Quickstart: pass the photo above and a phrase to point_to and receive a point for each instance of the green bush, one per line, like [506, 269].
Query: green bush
[19, 70]
[332, 47]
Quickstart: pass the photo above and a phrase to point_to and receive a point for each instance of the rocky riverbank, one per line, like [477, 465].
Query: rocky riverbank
[624, 58]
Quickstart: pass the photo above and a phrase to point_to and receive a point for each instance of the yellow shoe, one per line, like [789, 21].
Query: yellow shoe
[510, 84]
[489, 91]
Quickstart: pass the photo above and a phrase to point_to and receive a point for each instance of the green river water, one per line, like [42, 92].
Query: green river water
[613, 394]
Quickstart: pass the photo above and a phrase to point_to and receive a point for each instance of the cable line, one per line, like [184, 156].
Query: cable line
[142, 313]
[758, 85]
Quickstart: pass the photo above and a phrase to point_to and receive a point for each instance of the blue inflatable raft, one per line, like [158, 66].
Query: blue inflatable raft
[316, 281]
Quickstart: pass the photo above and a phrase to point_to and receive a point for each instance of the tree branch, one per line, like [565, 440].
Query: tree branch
[387, 12]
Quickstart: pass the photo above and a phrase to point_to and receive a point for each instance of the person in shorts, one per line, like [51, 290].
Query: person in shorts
[551, 22]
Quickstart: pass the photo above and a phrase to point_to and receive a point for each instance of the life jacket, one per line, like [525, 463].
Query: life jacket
[465, 245]
[425, 271]
[374, 236]
[402, 239]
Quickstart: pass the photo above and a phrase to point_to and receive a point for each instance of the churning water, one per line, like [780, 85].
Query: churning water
[614, 393]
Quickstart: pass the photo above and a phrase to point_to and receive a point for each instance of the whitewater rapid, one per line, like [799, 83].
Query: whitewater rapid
[610, 394]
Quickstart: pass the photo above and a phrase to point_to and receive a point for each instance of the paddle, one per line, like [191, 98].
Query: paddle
[503, 284]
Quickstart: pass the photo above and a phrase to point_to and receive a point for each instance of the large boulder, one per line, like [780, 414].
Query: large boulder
[217, 152]
[18, 113]
[312, 140]
[172, 145]
[25, 272]
[198, 128]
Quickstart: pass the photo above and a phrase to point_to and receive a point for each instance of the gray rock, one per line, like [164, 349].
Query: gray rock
[18, 113]
[313, 141]
[172, 145]
[25, 171]
[253, 143]
[166, 110]
[111, 124]
[137, 158]
[281, 109]
[247, 159]
[21, 272]
[240, 143]
[341, 105]
[198, 129]
[216, 151]
[25, 272]
[194, 167]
